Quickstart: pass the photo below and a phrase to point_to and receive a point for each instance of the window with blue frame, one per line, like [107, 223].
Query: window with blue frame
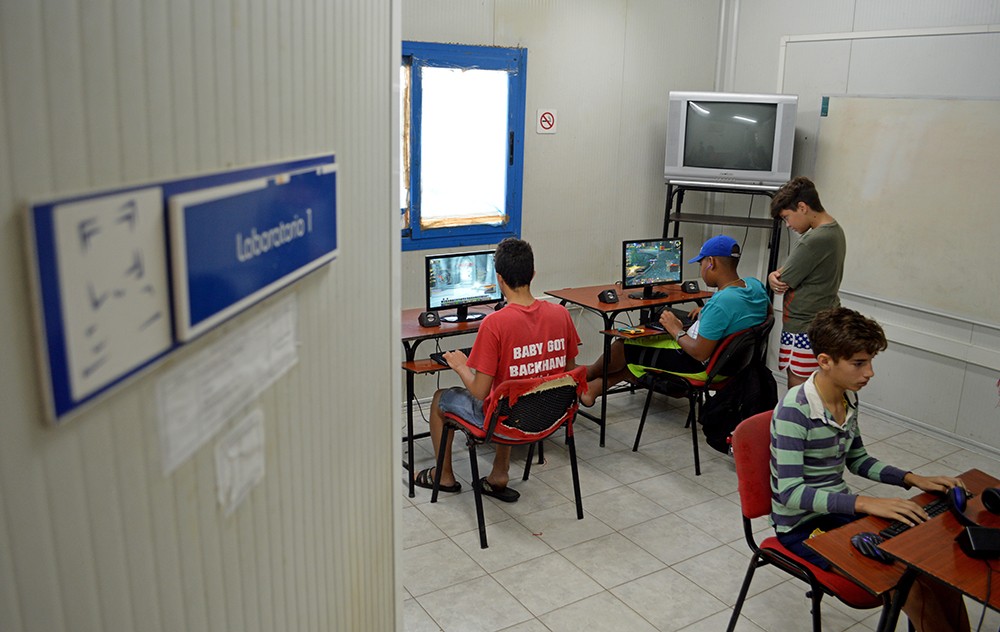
[462, 145]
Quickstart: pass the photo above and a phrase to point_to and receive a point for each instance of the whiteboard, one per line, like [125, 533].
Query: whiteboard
[915, 185]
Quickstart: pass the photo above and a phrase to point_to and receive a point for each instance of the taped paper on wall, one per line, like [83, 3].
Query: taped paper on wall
[239, 461]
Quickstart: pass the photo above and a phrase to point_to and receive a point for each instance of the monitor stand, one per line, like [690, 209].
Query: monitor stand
[463, 315]
[647, 294]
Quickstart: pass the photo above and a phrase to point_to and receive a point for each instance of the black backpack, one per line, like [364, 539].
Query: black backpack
[751, 391]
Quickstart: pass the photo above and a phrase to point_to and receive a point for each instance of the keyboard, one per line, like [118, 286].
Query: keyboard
[439, 356]
[684, 317]
[934, 508]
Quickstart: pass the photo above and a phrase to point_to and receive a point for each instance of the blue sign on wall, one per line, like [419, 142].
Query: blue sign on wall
[234, 244]
[102, 283]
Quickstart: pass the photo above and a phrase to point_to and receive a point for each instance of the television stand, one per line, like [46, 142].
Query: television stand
[676, 190]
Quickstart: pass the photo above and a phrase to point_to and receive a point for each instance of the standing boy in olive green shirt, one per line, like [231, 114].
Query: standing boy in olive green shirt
[810, 277]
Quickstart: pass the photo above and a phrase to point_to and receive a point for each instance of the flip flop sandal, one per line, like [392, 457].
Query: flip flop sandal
[506, 494]
[425, 479]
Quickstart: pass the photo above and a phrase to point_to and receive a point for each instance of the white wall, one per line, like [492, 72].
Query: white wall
[93, 536]
[606, 66]
[900, 48]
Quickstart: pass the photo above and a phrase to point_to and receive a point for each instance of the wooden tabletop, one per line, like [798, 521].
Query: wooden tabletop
[932, 548]
[929, 546]
[587, 297]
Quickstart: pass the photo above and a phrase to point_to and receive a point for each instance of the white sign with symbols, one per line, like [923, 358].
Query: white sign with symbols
[545, 121]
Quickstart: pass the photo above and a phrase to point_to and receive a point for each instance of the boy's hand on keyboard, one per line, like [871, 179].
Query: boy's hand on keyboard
[906, 511]
[693, 314]
[455, 358]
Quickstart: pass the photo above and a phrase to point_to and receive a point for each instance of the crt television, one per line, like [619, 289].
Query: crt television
[461, 280]
[730, 139]
[650, 262]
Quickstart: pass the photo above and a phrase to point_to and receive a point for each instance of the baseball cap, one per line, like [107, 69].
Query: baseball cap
[718, 246]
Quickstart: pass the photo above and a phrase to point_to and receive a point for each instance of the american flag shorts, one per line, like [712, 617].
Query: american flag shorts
[796, 354]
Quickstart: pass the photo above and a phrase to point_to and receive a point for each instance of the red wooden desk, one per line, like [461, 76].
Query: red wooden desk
[928, 548]
[412, 335]
[586, 297]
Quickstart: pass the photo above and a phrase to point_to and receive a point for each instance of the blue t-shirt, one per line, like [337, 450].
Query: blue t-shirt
[733, 309]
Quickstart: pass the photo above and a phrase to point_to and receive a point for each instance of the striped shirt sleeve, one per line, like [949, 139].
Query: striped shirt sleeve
[863, 464]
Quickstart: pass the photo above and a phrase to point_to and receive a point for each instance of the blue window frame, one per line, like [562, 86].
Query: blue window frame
[453, 118]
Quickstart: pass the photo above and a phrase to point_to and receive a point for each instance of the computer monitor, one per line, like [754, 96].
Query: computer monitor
[650, 262]
[461, 280]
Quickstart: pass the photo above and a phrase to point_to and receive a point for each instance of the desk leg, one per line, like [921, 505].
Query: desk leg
[411, 352]
[409, 432]
[892, 608]
[608, 322]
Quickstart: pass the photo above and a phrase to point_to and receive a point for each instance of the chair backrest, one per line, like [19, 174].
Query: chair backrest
[737, 351]
[752, 453]
[530, 409]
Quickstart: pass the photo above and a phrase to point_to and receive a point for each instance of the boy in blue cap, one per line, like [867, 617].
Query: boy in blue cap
[738, 303]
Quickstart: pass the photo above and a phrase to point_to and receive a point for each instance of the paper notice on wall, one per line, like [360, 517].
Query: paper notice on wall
[239, 461]
[198, 395]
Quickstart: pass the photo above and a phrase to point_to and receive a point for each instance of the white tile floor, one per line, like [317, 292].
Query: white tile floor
[658, 548]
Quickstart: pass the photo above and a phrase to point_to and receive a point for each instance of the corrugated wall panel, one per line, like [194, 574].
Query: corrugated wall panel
[877, 15]
[93, 536]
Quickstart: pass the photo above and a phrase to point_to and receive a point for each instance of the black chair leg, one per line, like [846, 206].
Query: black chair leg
[576, 474]
[744, 589]
[531, 452]
[816, 596]
[642, 420]
[446, 436]
[527, 463]
[478, 493]
[694, 411]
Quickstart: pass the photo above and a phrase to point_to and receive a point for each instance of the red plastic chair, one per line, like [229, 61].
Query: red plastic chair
[752, 453]
[520, 412]
[734, 353]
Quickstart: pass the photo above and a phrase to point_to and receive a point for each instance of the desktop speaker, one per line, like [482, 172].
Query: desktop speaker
[980, 542]
[608, 296]
[429, 319]
[690, 287]
[499, 306]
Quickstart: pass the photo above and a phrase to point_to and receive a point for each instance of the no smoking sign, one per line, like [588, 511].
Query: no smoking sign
[545, 121]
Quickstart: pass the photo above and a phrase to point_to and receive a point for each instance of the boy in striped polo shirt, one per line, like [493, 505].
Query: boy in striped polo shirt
[814, 435]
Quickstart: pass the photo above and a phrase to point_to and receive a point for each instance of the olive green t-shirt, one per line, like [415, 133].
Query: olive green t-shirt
[813, 272]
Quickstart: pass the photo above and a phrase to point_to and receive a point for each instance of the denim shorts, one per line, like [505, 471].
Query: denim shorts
[459, 401]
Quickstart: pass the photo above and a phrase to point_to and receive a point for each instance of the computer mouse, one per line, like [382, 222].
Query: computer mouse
[867, 543]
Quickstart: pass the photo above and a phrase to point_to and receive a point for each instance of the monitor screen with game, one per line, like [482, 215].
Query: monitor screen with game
[461, 280]
[650, 262]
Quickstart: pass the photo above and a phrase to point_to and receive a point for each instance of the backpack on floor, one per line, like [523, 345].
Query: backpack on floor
[753, 390]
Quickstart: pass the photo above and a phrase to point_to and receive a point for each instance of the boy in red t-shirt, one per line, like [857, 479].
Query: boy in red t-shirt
[527, 338]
